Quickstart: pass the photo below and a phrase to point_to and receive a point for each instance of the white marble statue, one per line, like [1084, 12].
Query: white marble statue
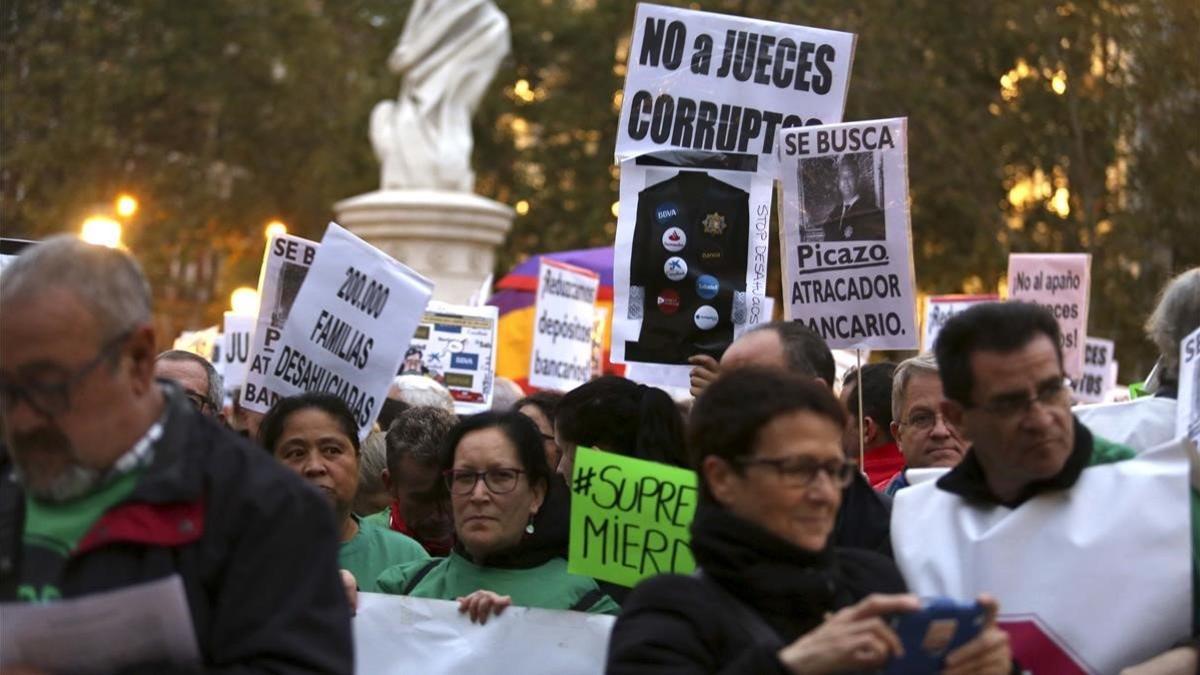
[447, 55]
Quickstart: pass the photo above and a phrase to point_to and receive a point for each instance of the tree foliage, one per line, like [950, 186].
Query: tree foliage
[1033, 127]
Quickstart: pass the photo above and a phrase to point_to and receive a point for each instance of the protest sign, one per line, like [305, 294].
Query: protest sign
[235, 349]
[599, 333]
[629, 517]
[1060, 282]
[1099, 372]
[1187, 411]
[715, 82]
[690, 258]
[204, 342]
[939, 309]
[564, 320]
[285, 265]
[399, 635]
[10, 249]
[456, 345]
[349, 326]
[847, 242]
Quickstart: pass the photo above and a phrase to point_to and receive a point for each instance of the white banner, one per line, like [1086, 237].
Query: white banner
[235, 349]
[350, 325]
[690, 258]
[1099, 371]
[939, 309]
[716, 82]
[399, 635]
[456, 345]
[564, 320]
[1064, 565]
[1187, 412]
[847, 242]
[1060, 282]
[285, 265]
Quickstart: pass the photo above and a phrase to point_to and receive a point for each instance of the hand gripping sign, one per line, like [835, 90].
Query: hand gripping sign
[350, 325]
[845, 232]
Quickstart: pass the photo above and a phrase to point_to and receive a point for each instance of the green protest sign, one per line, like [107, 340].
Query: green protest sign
[629, 518]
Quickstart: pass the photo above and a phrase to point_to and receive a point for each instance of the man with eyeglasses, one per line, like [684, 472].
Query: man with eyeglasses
[1048, 517]
[112, 480]
[925, 437]
[199, 379]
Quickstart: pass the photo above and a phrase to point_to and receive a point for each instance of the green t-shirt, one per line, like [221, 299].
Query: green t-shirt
[381, 519]
[52, 531]
[374, 549]
[547, 586]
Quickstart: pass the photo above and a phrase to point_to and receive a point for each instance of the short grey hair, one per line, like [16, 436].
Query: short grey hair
[216, 384]
[1175, 317]
[924, 363]
[419, 390]
[372, 460]
[107, 281]
[418, 432]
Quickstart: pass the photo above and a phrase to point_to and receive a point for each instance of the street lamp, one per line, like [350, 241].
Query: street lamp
[244, 301]
[275, 227]
[126, 205]
[102, 231]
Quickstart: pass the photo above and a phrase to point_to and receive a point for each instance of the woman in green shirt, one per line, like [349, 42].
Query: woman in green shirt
[496, 475]
[315, 435]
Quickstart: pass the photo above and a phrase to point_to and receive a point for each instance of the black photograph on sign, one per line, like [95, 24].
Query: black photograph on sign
[842, 197]
[291, 277]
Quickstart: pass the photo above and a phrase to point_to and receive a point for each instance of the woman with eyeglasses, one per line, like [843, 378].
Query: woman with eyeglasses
[497, 477]
[771, 595]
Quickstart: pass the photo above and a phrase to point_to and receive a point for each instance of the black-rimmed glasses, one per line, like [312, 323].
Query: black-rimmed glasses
[801, 472]
[1049, 393]
[498, 481]
[54, 397]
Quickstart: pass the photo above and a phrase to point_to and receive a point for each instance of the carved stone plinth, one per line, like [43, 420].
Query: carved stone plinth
[449, 237]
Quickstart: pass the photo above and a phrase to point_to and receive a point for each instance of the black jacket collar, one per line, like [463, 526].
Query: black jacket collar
[968, 481]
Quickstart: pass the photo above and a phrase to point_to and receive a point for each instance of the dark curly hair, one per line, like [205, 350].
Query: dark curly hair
[622, 416]
[520, 431]
[271, 428]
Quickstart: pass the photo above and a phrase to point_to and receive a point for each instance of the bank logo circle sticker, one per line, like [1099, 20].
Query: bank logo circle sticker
[675, 268]
[666, 212]
[707, 286]
[668, 301]
[705, 317]
[674, 239]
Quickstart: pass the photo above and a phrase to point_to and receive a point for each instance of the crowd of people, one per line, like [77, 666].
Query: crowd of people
[120, 466]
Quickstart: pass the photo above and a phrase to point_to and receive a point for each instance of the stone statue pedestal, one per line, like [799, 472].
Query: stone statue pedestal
[450, 237]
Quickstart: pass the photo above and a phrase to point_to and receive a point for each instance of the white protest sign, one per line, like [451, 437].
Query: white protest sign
[690, 257]
[235, 349]
[285, 265]
[398, 635]
[10, 249]
[1099, 373]
[204, 342]
[350, 325]
[939, 309]
[1187, 411]
[564, 320]
[456, 345]
[847, 242]
[716, 82]
[1060, 282]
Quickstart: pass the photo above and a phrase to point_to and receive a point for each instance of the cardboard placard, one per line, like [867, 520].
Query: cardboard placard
[564, 321]
[715, 82]
[456, 345]
[939, 309]
[1061, 283]
[235, 349]
[1187, 410]
[847, 241]
[629, 517]
[1099, 371]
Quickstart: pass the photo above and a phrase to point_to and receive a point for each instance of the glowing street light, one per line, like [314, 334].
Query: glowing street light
[244, 301]
[126, 205]
[102, 231]
[275, 227]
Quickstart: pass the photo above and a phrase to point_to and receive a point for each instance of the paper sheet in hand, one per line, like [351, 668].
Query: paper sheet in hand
[103, 632]
[398, 635]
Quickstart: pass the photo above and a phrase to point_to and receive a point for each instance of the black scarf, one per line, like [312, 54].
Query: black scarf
[968, 481]
[790, 587]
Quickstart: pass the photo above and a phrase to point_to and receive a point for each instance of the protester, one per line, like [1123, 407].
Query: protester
[421, 390]
[1025, 491]
[541, 407]
[505, 394]
[1149, 421]
[315, 435]
[496, 474]
[618, 415]
[200, 381]
[372, 496]
[116, 480]
[863, 520]
[413, 478]
[772, 593]
[873, 441]
[926, 438]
